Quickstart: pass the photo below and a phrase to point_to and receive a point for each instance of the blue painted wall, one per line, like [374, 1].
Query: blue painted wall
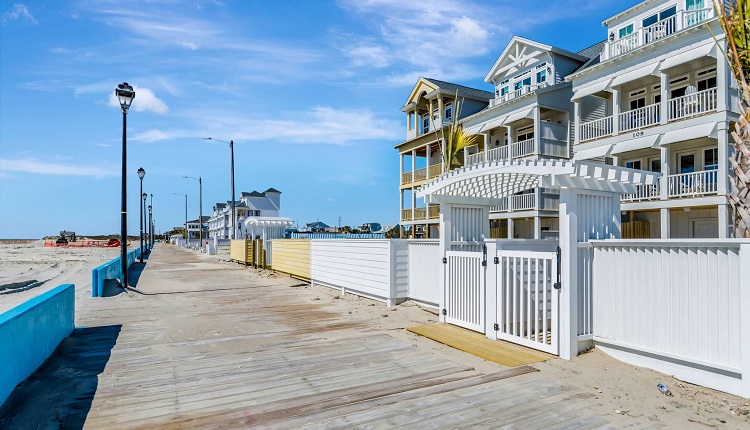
[30, 332]
[112, 270]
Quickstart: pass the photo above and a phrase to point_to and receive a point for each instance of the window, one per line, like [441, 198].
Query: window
[711, 159]
[686, 163]
[504, 90]
[637, 99]
[707, 83]
[541, 76]
[525, 133]
[656, 165]
[425, 123]
[633, 164]
[626, 31]
[449, 110]
[694, 4]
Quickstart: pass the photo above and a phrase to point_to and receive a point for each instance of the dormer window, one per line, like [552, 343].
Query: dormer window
[523, 80]
[504, 87]
[625, 31]
[449, 110]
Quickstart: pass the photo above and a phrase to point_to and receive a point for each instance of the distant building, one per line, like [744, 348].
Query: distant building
[194, 227]
[250, 204]
[314, 227]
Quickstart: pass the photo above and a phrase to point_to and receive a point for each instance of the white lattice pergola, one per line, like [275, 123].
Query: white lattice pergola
[589, 209]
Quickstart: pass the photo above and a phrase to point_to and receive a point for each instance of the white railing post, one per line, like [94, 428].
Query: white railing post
[577, 122]
[445, 240]
[569, 276]
[744, 331]
[616, 111]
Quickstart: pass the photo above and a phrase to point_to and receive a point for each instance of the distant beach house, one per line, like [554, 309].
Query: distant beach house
[314, 227]
[253, 211]
[194, 228]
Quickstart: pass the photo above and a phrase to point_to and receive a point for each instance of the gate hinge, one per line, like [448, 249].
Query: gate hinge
[496, 327]
[445, 312]
[497, 260]
[445, 260]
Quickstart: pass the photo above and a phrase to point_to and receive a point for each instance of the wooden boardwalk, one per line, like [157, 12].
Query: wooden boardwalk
[213, 346]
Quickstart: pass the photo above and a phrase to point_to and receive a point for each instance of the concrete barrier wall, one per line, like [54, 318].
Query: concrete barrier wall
[292, 256]
[30, 332]
[111, 270]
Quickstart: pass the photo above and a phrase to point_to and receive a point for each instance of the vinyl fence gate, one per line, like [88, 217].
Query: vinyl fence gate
[527, 300]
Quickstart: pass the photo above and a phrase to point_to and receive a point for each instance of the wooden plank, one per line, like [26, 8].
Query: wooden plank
[504, 353]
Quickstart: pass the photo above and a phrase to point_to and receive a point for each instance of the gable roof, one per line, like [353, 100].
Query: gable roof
[252, 194]
[517, 41]
[272, 190]
[429, 85]
[593, 52]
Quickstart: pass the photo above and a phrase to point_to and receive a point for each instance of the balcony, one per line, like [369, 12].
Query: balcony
[421, 174]
[526, 89]
[646, 116]
[553, 141]
[694, 184]
[421, 214]
[692, 104]
[657, 31]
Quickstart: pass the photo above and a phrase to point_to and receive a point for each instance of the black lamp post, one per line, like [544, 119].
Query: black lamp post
[141, 174]
[125, 95]
[143, 217]
[200, 209]
[151, 224]
[231, 151]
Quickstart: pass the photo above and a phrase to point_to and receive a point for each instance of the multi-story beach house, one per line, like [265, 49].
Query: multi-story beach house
[662, 98]
[194, 227]
[431, 106]
[250, 204]
[529, 117]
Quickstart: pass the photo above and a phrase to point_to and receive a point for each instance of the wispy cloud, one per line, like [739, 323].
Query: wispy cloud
[145, 101]
[318, 125]
[18, 12]
[47, 168]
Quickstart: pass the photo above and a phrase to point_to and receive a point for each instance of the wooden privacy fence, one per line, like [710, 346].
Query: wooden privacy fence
[291, 256]
[248, 252]
[677, 306]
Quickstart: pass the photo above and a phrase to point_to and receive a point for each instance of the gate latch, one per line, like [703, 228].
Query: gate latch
[497, 260]
[496, 327]
[484, 255]
[445, 260]
[557, 285]
[445, 312]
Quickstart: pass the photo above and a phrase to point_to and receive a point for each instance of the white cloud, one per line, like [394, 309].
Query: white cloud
[44, 168]
[19, 11]
[145, 100]
[318, 125]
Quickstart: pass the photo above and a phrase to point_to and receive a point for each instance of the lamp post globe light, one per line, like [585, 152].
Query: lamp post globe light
[231, 151]
[141, 174]
[125, 96]
[200, 203]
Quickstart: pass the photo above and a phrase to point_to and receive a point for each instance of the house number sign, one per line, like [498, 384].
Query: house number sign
[638, 134]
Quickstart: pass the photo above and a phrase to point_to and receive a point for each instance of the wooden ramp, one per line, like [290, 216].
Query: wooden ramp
[496, 351]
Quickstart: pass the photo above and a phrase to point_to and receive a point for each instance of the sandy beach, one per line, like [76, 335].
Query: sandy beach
[621, 393]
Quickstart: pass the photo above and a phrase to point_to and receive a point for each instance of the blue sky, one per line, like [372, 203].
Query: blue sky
[309, 91]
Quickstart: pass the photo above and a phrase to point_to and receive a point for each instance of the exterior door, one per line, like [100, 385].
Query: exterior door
[705, 229]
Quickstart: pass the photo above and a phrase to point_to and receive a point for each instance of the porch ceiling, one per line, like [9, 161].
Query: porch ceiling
[488, 183]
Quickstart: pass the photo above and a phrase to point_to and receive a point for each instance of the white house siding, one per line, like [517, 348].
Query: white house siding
[686, 224]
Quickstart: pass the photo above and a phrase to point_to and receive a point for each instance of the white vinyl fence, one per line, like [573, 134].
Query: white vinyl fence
[677, 306]
[425, 271]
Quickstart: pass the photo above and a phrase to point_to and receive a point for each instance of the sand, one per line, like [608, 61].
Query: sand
[620, 390]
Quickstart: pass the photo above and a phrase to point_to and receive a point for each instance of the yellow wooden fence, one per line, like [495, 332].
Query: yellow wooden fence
[291, 256]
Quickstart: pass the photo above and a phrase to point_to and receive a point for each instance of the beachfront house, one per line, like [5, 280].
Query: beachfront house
[529, 117]
[195, 226]
[430, 107]
[661, 98]
[250, 204]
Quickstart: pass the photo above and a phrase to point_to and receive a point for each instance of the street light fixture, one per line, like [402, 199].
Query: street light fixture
[150, 228]
[141, 174]
[187, 236]
[231, 151]
[125, 95]
[200, 210]
[151, 225]
[143, 217]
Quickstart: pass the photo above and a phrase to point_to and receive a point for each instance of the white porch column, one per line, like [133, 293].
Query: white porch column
[665, 223]
[615, 111]
[723, 79]
[725, 226]
[537, 227]
[486, 141]
[428, 149]
[577, 121]
[511, 233]
[401, 205]
[537, 130]
[442, 159]
[413, 204]
[401, 168]
[723, 186]
[413, 163]
[664, 108]
[665, 172]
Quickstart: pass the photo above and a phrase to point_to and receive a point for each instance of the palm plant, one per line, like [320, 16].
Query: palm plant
[455, 140]
[735, 21]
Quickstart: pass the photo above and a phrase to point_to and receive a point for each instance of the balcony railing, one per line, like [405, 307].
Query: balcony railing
[692, 104]
[522, 148]
[595, 129]
[523, 201]
[434, 170]
[640, 118]
[659, 30]
[406, 177]
[693, 184]
[526, 89]
[423, 213]
[643, 192]
[420, 174]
